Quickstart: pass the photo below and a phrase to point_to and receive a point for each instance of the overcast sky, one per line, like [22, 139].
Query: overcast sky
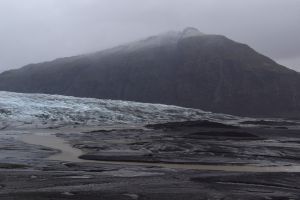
[39, 30]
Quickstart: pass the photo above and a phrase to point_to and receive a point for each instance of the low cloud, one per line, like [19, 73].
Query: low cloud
[35, 31]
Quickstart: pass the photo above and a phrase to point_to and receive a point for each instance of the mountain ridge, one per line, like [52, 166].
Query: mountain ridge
[209, 72]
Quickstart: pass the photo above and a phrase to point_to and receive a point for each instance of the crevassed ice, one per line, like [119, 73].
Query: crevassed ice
[42, 110]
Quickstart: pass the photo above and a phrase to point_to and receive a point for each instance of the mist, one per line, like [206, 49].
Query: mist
[35, 31]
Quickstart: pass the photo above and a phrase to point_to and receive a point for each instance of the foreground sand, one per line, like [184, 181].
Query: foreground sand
[168, 161]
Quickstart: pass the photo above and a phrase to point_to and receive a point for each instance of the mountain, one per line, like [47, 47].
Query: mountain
[43, 110]
[187, 68]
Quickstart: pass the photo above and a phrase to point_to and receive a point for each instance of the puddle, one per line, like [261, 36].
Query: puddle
[67, 152]
[130, 173]
[79, 177]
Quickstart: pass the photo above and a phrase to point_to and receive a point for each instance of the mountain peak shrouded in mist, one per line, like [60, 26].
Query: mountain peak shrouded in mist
[185, 68]
[166, 38]
[191, 32]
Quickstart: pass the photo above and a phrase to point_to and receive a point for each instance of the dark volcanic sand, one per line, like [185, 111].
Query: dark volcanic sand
[35, 178]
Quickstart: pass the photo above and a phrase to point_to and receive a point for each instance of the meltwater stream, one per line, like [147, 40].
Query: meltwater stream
[70, 154]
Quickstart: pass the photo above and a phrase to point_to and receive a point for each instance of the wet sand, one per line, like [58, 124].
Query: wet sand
[67, 153]
[67, 163]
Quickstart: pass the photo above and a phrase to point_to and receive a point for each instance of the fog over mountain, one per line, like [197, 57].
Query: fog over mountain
[149, 99]
[186, 68]
[34, 31]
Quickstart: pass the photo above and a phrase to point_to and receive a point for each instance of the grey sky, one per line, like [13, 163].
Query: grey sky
[39, 30]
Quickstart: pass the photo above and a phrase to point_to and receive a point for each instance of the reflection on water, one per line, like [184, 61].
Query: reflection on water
[69, 154]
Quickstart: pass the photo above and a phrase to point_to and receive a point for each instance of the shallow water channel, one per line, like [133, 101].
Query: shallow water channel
[68, 153]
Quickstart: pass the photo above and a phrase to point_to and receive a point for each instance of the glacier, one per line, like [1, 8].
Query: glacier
[43, 110]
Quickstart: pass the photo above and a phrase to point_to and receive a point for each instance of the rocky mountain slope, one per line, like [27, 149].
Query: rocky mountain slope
[188, 68]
